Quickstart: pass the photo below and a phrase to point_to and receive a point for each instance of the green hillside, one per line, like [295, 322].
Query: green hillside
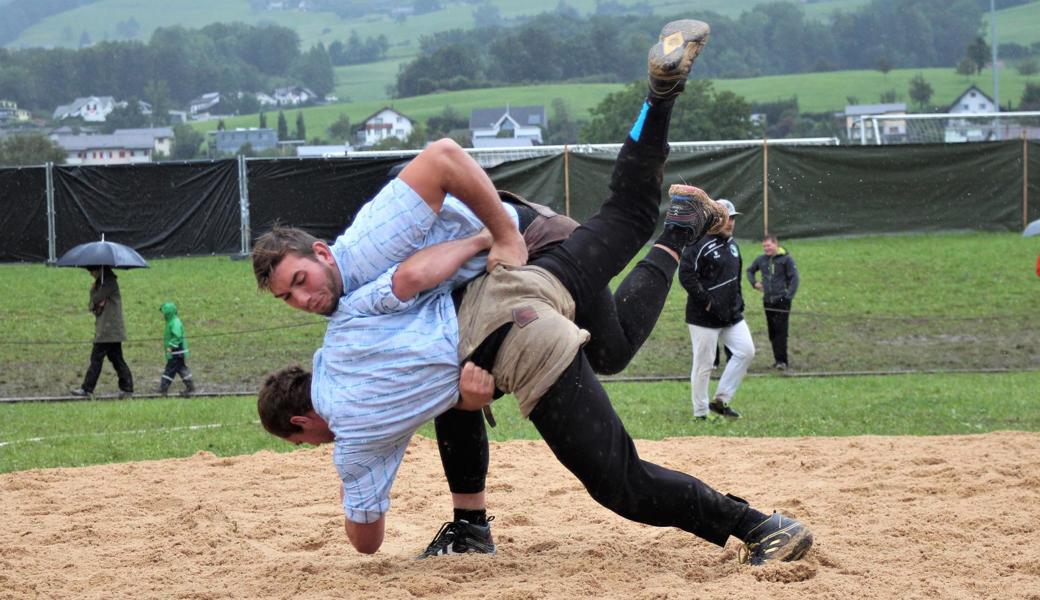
[580, 98]
[98, 20]
[1019, 24]
[816, 92]
[823, 92]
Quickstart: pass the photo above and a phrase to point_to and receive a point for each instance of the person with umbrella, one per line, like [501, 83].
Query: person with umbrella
[109, 333]
[107, 305]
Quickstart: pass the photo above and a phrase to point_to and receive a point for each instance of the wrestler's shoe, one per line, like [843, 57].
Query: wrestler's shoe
[721, 408]
[461, 537]
[691, 208]
[776, 538]
[671, 58]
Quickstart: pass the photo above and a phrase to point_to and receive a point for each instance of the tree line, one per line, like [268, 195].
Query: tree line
[174, 66]
[770, 39]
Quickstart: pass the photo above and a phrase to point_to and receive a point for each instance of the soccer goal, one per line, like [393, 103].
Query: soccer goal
[945, 128]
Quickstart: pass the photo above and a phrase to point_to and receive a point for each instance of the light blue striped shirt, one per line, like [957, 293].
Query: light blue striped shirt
[387, 366]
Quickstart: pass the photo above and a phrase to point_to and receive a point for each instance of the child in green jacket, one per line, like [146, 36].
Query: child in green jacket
[176, 346]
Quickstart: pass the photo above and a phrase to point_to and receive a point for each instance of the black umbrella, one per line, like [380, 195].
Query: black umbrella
[103, 254]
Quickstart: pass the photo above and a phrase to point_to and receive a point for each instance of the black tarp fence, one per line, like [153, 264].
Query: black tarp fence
[178, 209]
[23, 214]
[320, 196]
[160, 209]
[870, 189]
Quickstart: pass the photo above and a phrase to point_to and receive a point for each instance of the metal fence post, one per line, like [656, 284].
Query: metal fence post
[1025, 181]
[52, 254]
[566, 181]
[243, 201]
[765, 186]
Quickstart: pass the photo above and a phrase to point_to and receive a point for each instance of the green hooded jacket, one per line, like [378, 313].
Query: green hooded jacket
[173, 336]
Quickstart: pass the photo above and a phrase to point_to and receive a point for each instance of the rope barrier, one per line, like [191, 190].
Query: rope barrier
[154, 340]
[795, 313]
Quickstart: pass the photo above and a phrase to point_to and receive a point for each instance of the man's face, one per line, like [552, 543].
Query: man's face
[308, 283]
[769, 247]
[313, 430]
[727, 231]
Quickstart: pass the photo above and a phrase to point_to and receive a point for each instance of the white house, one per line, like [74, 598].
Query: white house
[891, 130]
[92, 109]
[9, 112]
[384, 123]
[507, 126]
[266, 99]
[112, 149]
[162, 136]
[294, 95]
[203, 103]
[973, 100]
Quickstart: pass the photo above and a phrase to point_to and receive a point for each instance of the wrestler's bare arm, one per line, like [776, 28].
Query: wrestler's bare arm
[431, 266]
[445, 168]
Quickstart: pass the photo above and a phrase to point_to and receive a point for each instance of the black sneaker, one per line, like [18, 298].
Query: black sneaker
[780, 366]
[776, 538]
[691, 208]
[671, 58]
[721, 408]
[461, 537]
[81, 393]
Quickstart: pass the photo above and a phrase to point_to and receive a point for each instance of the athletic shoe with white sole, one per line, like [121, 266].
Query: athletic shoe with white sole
[461, 537]
[671, 58]
[776, 538]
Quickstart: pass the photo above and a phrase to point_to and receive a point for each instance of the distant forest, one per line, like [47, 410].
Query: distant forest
[176, 65]
[772, 39]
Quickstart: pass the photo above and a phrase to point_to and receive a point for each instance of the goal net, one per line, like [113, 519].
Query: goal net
[946, 128]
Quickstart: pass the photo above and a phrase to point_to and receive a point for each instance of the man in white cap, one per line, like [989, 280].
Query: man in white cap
[710, 271]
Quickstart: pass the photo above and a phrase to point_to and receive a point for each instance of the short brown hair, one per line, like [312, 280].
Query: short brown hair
[771, 238]
[271, 247]
[285, 394]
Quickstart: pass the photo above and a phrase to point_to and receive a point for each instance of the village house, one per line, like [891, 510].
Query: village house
[111, 149]
[10, 113]
[382, 124]
[890, 130]
[91, 109]
[507, 127]
[230, 141]
[294, 95]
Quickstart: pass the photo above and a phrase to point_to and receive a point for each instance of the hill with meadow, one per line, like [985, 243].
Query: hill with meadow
[98, 19]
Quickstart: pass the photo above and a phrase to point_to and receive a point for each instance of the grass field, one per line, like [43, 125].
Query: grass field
[956, 301]
[70, 434]
[99, 19]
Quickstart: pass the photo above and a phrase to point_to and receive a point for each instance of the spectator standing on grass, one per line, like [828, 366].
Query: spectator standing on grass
[778, 286]
[710, 272]
[176, 346]
[109, 334]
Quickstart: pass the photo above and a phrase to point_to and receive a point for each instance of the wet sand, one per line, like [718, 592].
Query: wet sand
[894, 517]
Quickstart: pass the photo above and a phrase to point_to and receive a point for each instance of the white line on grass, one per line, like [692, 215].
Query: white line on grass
[128, 432]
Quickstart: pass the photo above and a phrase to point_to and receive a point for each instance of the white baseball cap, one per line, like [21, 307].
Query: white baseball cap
[729, 206]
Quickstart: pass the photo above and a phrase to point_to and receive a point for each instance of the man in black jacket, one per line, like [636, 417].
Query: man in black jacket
[710, 271]
[778, 286]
